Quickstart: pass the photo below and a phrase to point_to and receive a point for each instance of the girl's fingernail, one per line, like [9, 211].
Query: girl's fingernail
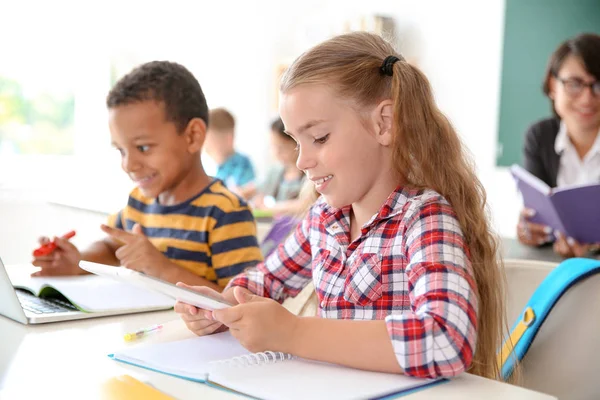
[530, 212]
[571, 241]
[547, 230]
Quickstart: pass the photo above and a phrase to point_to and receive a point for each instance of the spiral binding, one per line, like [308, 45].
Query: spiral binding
[265, 357]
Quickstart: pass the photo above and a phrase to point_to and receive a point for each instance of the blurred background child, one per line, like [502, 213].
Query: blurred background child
[280, 190]
[233, 168]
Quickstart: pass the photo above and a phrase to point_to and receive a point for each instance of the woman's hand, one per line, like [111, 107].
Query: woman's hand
[530, 233]
[201, 321]
[259, 323]
[569, 247]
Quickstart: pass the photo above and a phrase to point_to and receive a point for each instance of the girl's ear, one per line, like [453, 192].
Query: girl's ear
[195, 134]
[383, 117]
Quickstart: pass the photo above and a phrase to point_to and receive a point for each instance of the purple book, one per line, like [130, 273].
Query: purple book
[280, 230]
[573, 210]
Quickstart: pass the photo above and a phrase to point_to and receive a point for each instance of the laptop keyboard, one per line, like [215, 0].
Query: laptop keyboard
[36, 305]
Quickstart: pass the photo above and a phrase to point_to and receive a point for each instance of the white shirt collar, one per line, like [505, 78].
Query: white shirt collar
[563, 142]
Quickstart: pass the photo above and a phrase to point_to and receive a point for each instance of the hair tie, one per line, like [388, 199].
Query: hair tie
[387, 68]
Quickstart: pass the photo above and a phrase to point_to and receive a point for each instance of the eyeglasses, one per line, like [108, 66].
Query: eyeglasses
[575, 86]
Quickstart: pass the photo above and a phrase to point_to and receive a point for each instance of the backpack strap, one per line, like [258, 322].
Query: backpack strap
[560, 279]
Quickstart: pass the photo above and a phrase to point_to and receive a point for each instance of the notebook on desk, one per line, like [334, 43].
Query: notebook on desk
[219, 360]
[52, 299]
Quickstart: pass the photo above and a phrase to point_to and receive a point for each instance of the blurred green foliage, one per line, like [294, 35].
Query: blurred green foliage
[41, 123]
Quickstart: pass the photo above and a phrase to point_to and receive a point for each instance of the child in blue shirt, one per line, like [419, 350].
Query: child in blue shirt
[233, 168]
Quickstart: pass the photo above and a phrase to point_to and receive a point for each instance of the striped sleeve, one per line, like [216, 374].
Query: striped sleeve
[285, 272]
[437, 336]
[233, 244]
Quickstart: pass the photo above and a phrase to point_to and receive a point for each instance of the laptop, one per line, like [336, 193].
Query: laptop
[21, 306]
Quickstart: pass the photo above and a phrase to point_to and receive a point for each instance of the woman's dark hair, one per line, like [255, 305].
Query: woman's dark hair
[586, 47]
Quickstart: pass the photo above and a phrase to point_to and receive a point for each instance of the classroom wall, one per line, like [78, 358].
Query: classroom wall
[234, 47]
[522, 100]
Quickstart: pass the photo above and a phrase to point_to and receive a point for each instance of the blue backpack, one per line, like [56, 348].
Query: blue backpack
[560, 279]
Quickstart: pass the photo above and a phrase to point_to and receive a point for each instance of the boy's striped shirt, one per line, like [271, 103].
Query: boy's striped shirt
[212, 235]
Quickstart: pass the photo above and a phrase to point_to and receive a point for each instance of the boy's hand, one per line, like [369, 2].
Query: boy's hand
[258, 323]
[197, 320]
[64, 260]
[137, 252]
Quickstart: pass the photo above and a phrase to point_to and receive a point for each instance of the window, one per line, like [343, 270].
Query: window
[35, 117]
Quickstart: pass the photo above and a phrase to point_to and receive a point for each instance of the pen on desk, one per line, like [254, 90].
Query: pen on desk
[49, 247]
[141, 333]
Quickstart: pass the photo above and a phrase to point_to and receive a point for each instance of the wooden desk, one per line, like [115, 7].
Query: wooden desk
[69, 361]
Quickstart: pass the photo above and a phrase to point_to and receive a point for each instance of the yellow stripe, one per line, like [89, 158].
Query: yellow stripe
[171, 221]
[198, 268]
[222, 189]
[112, 220]
[137, 194]
[236, 256]
[224, 203]
[233, 231]
[189, 245]
[224, 281]
[515, 336]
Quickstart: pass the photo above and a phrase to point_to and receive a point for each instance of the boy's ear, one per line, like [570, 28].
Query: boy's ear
[383, 118]
[195, 135]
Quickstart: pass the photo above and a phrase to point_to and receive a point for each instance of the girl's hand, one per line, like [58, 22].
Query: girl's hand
[198, 320]
[258, 323]
[64, 260]
[532, 234]
[569, 247]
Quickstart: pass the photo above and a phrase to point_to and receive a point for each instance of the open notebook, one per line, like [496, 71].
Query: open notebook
[219, 360]
[90, 293]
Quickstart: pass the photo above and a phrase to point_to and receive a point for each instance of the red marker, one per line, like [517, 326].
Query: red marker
[48, 248]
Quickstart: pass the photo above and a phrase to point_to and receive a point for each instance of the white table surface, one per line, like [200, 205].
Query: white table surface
[68, 360]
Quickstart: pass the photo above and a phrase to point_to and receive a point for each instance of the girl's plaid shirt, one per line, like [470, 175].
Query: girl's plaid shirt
[410, 267]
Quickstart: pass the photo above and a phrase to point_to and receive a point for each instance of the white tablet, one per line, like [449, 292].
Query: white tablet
[184, 295]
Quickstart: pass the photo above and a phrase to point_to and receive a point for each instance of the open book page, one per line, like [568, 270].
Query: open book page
[91, 293]
[300, 379]
[572, 209]
[579, 210]
[189, 358]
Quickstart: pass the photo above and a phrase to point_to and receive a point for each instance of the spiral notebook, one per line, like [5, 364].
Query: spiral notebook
[219, 360]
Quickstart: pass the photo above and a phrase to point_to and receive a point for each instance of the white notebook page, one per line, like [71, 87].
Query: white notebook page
[187, 358]
[300, 379]
[93, 293]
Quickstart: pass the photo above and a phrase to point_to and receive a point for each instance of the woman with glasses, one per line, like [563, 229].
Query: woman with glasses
[565, 149]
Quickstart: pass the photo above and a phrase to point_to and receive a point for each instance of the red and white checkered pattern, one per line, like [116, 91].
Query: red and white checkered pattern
[410, 267]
